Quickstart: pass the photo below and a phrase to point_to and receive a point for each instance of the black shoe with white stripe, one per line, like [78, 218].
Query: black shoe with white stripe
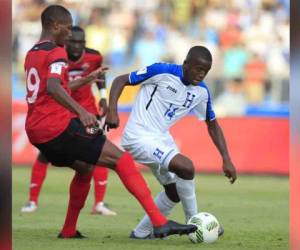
[77, 235]
[173, 227]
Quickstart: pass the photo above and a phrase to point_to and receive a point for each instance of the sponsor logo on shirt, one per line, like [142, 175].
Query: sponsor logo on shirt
[85, 66]
[172, 89]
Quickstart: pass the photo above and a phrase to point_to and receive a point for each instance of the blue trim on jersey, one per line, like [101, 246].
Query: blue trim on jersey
[210, 114]
[163, 162]
[139, 76]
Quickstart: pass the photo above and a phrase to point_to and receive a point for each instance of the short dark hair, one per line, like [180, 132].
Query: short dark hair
[54, 13]
[77, 29]
[200, 51]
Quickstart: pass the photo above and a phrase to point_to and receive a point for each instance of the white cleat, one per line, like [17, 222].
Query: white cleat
[100, 208]
[30, 207]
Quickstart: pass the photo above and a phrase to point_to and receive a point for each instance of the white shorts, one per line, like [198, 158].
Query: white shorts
[156, 152]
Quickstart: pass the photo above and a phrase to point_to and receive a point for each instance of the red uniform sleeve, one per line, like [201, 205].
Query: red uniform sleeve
[57, 63]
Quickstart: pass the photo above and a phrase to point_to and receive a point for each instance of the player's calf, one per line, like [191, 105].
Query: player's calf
[79, 189]
[171, 192]
[185, 184]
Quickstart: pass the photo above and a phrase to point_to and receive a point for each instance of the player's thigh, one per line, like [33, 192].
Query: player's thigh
[140, 154]
[74, 144]
[94, 149]
[154, 153]
[83, 146]
[42, 158]
[163, 177]
[54, 151]
[110, 155]
[154, 149]
[160, 150]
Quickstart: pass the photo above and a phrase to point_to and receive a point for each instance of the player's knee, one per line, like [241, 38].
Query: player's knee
[183, 167]
[186, 170]
[110, 155]
[90, 169]
[171, 192]
[83, 168]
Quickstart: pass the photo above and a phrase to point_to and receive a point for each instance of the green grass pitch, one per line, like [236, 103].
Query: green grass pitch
[253, 211]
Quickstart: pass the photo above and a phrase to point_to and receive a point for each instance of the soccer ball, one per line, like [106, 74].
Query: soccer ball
[208, 227]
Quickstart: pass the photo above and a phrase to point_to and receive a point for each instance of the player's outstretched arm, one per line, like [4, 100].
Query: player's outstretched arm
[59, 94]
[103, 106]
[112, 117]
[217, 136]
[90, 78]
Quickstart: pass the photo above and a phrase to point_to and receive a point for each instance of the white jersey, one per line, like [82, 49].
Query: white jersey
[163, 99]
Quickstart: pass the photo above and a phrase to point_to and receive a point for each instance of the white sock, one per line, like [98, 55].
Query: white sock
[186, 193]
[164, 204]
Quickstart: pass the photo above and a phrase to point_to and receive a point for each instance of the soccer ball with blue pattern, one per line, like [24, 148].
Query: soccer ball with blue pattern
[208, 227]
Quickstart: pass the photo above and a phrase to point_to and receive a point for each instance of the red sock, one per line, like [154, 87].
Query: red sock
[38, 174]
[79, 190]
[100, 180]
[136, 185]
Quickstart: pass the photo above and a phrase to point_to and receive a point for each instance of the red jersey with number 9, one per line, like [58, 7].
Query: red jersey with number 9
[46, 118]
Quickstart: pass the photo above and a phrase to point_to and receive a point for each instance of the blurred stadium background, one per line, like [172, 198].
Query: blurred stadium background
[249, 83]
[249, 79]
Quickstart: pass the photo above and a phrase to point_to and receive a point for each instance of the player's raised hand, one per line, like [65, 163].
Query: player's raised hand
[94, 75]
[229, 171]
[112, 120]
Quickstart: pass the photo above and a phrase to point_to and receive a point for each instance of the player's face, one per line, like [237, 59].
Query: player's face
[195, 70]
[63, 31]
[76, 44]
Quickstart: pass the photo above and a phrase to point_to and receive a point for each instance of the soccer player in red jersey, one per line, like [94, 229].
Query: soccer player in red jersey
[76, 142]
[82, 61]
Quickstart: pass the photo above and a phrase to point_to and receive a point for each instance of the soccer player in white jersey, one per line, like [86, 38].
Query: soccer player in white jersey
[168, 93]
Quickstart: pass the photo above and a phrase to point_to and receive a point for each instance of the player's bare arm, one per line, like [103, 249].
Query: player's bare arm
[217, 136]
[90, 78]
[101, 84]
[112, 119]
[59, 94]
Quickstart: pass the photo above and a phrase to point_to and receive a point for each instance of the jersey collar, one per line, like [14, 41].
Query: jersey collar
[43, 41]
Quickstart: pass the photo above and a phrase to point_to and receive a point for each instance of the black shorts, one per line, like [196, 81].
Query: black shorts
[73, 144]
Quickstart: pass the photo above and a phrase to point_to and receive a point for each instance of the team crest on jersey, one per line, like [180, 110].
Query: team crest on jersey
[56, 68]
[85, 66]
[75, 74]
[189, 100]
[141, 71]
[158, 153]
